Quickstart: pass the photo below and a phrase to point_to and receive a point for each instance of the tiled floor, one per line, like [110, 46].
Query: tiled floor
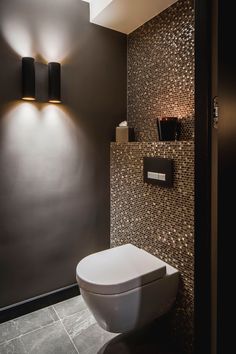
[69, 328]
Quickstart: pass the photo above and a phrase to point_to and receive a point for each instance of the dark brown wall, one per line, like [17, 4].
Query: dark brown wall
[54, 159]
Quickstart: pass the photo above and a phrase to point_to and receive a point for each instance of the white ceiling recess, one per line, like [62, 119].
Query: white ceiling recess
[125, 15]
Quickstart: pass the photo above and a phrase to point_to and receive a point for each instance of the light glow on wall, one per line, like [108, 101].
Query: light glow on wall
[44, 148]
[17, 35]
[43, 29]
[54, 42]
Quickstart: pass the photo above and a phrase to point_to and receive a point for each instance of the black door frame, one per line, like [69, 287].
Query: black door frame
[204, 194]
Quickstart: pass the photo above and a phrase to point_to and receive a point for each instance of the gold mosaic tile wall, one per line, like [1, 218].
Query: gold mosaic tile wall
[161, 72]
[159, 220]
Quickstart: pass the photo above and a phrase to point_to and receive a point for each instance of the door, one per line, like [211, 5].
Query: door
[215, 174]
[226, 178]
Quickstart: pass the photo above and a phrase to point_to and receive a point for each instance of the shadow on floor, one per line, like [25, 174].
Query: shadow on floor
[152, 339]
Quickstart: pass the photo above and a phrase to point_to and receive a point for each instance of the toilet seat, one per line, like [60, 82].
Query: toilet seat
[118, 270]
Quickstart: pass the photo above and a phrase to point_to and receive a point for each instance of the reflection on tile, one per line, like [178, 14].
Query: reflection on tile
[69, 307]
[14, 346]
[27, 323]
[51, 339]
[92, 339]
[78, 322]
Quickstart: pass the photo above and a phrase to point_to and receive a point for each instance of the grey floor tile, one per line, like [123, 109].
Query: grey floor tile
[27, 323]
[35, 320]
[78, 322]
[51, 339]
[53, 314]
[91, 340]
[14, 346]
[8, 330]
[69, 307]
[46, 334]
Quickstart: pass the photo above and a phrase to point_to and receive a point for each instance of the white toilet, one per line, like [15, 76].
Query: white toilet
[126, 287]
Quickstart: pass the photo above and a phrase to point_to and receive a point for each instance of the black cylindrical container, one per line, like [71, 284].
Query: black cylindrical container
[54, 82]
[28, 79]
[168, 128]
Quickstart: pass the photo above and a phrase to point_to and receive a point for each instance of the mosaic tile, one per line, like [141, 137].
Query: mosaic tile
[159, 220]
[161, 72]
[160, 83]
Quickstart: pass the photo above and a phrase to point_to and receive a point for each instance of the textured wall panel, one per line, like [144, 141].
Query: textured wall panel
[161, 72]
[159, 220]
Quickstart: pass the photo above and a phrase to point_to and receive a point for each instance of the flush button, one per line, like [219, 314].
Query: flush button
[153, 175]
[162, 176]
[158, 171]
[156, 175]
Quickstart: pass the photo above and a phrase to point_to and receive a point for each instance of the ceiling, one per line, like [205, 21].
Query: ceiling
[125, 15]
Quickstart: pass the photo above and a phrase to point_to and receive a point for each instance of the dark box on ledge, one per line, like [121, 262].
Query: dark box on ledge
[168, 128]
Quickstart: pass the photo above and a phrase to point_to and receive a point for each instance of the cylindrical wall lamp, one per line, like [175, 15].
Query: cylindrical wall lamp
[54, 82]
[28, 79]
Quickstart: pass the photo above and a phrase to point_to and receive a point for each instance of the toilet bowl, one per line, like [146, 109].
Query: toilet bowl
[126, 287]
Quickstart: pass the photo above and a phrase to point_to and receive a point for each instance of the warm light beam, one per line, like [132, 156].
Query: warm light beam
[17, 35]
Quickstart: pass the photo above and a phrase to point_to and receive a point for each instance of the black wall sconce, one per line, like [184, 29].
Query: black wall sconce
[54, 82]
[28, 79]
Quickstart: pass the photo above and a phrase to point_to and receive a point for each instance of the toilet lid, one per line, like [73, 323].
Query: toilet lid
[118, 269]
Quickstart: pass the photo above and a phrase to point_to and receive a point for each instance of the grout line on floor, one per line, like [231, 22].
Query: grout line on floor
[24, 334]
[66, 331]
[23, 344]
[50, 314]
[14, 320]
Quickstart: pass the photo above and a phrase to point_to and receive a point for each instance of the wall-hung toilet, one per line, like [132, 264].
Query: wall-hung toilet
[126, 287]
